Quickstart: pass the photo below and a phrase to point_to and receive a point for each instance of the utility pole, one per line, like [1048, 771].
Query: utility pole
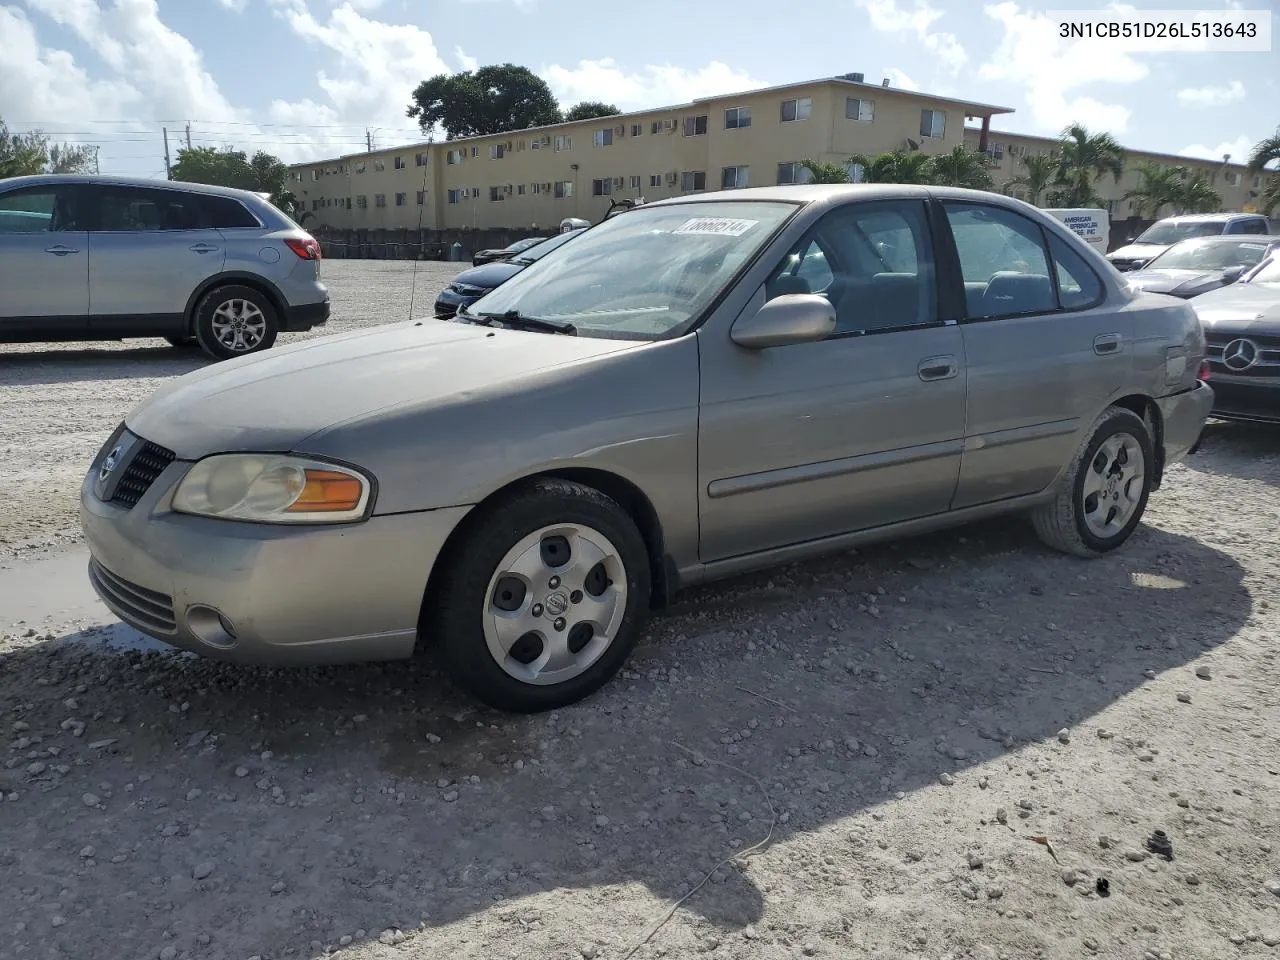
[168, 172]
[188, 136]
[368, 140]
[96, 148]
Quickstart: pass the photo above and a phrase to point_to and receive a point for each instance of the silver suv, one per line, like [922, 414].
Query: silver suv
[104, 258]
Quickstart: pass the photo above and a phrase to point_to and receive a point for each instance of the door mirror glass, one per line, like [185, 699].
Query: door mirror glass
[789, 318]
[1232, 274]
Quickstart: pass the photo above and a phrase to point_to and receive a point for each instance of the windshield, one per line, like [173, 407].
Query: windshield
[524, 244]
[1166, 232]
[540, 250]
[1202, 254]
[1269, 272]
[642, 276]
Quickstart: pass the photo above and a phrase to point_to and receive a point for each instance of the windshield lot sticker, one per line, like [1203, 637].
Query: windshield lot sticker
[715, 226]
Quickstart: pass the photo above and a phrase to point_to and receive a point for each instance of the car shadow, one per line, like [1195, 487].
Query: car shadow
[385, 799]
[69, 363]
[1250, 449]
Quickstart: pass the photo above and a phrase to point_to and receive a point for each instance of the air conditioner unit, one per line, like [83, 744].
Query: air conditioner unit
[673, 177]
[669, 126]
[620, 130]
[618, 182]
[507, 189]
[546, 188]
[536, 145]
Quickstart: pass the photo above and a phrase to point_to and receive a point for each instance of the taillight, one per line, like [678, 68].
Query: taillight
[1205, 370]
[306, 248]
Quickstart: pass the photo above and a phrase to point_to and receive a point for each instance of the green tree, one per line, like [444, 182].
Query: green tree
[1084, 159]
[588, 109]
[261, 173]
[492, 99]
[1262, 161]
[1196, 194]
[825, 172]
[1158, 187]
[962, 167]
[24, 154]
[898, 166]
[1038, 174]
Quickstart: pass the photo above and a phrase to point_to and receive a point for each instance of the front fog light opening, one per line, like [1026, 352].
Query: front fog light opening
[211, 626]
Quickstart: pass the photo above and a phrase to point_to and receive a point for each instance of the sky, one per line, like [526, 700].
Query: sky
[307, 79]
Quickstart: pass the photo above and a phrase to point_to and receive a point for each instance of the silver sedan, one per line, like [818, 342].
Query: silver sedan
[705, 386]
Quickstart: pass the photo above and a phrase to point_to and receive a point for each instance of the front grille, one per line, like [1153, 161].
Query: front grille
[147, 463]
[146, 609]
[1267, 363]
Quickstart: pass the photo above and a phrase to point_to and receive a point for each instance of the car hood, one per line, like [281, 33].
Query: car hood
[489, 275]
[1137, 251]
[275, 400]
[1239, 308]
[1174, 281]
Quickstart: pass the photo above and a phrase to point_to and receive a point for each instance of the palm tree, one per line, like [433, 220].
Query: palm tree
[1086, 158]
[1039, 175]
[962, 167]
[1267, 152]
[1196, 194]
[895, 167]
[825, 172]
[1159, 187]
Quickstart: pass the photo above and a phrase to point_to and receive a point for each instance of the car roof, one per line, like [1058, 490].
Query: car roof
[1225, 238]
[1210, 217]
[47, 179]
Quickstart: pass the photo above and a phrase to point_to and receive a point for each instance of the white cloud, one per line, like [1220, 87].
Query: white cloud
[468, 62]
[1213, 96]
[650, 86]
[1239, 148]
[234, 5]
[887, 17]
[1049, 69]
[899, 79]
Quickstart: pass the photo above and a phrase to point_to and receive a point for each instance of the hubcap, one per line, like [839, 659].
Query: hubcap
[555, 603]
[239, 325]
[1113, 485]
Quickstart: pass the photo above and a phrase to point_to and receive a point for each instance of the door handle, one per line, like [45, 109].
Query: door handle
[58, 250]
[203, 248]
[938, 368]
[1106, 343]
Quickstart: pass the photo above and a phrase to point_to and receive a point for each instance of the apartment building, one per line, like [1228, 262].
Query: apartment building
[532, 179]
[1238, 188]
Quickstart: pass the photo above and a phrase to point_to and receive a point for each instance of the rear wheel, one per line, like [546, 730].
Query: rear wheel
[1105, 492]
[544, 600]
[234, 321]
[181, 342]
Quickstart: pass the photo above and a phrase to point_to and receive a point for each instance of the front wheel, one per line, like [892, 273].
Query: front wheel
[544, 600]
[234, 321]
[1104, 493]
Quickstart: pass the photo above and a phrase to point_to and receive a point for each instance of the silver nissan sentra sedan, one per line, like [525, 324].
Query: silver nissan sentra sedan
[704, 386]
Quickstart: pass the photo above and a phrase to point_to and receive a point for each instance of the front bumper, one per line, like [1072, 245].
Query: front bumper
[305, 316]
[1183, 416]
[1254, 398]
[448, 302]
[262, 593]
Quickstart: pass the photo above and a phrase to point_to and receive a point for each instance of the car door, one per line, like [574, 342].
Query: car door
[861, 429]
[44, 262]
[1045, 354]
[149, 249]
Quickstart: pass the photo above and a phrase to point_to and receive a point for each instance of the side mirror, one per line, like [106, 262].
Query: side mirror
[1234, 273]
[791, 318]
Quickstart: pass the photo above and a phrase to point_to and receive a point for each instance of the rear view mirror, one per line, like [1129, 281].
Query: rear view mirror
[1232, 274]
[791, 318]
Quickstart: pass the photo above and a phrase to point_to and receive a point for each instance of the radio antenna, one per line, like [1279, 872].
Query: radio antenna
[426, 172]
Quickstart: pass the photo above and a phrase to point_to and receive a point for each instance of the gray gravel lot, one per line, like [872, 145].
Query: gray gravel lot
[902, 723]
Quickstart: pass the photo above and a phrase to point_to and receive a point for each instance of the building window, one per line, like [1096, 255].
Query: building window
[604, 138]
[655, 179]
[735, 118]
[453, 156]
[380, 200]
[564, 188]
[379, 165]
[315, 204]
[1234, 178]
[793, 173]
[693, 180]
[563, 142]
[360, 167]
[496, 151]
[695, 126]
[421, 159]
[362, 202]
[475, 151]
[422, 197]
[856, 108]
[933, 123]
[602, 187]
[797, 109]
[495, 193]
[733, 177]
[634, 182]
[401, 199]
[637, 129]
[400, 164]
[455, 196]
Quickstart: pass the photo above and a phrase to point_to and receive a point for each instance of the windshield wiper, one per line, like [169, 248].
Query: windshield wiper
[517, 320]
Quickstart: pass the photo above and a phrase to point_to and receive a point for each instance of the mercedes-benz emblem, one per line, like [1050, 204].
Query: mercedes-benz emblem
[1240, 354]
[109, 464]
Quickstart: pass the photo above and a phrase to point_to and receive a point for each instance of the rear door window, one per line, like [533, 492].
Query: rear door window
[1003, 261]
[137, 209]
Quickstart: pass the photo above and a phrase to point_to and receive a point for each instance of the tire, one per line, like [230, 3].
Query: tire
[484, 608]
[226, 311]
[1078, 520]
[181, 343]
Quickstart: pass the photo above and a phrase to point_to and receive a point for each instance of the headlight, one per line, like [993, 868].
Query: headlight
[271, 488]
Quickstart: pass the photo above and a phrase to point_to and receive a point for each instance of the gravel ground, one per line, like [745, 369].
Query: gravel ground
[948, 745]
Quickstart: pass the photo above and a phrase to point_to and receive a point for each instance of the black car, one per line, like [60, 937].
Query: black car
[504, 253]
[1200, 264]
[470, 285]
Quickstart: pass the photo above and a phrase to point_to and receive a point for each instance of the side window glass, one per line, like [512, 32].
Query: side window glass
[28, 211]
[1254, 226]
[1078, 286]
[1003, 261]
[124, 209]
[225, 213]
[872, 260]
